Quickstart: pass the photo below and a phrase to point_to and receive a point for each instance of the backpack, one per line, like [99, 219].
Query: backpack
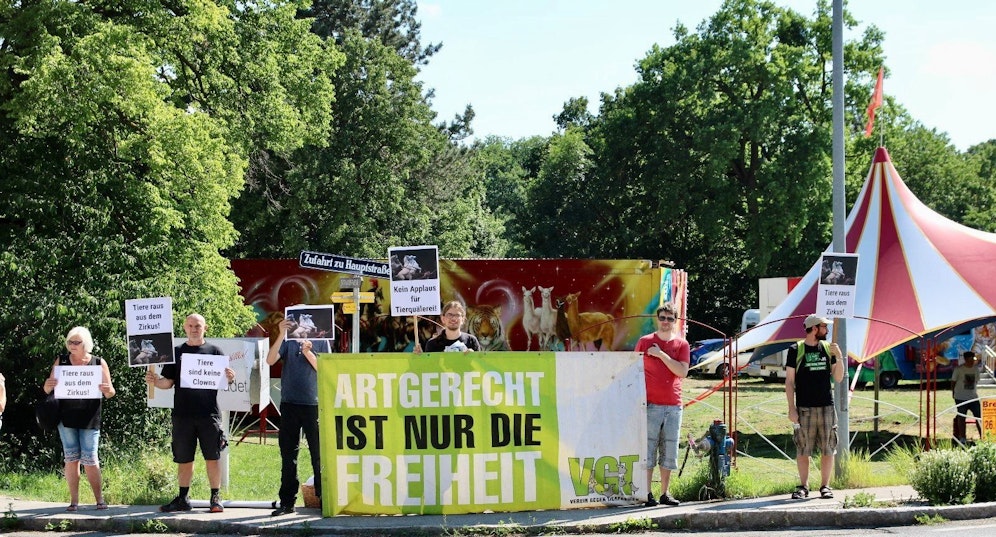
[801, 348]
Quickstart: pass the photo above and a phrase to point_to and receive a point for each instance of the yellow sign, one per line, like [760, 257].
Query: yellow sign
[349, 308]
[347, 296]
[988, 417]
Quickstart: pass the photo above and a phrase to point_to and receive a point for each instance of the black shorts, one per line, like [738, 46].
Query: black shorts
[187, 432]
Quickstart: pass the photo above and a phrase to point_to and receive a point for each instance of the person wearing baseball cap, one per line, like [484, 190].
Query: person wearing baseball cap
[809, 366]
[964, 380]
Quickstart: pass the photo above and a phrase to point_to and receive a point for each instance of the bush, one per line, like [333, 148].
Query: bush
[944, 477]
[984, 468]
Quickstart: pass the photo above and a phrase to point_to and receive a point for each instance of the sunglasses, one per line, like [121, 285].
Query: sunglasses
[666, 319]
[75, 342]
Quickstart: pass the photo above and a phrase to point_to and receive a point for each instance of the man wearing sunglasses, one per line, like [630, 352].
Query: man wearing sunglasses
[665, 363]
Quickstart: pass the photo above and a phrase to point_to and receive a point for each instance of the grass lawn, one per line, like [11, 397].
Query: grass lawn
[764, 465]
[879, 447]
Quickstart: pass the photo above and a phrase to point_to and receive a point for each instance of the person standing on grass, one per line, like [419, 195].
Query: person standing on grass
[79, 423]
[665, 363]
[196, 418]
[809, 366]
[298, 411]
[964, 379]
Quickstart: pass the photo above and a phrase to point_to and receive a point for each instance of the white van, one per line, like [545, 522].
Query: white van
[750, 319]
[771, 368]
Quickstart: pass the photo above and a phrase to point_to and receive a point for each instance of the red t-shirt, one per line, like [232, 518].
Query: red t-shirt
[663, 386]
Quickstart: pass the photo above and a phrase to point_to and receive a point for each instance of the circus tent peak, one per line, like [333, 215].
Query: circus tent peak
[918, 272]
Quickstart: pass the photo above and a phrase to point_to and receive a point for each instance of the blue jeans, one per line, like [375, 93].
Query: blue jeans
[663, 430]
[80, 445]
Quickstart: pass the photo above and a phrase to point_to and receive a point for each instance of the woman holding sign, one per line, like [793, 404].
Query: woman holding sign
[81, 393]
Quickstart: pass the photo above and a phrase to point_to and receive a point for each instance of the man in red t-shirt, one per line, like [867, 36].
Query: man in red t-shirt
[665, 363]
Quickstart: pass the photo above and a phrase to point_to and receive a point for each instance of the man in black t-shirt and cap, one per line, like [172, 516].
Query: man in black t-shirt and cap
[809, 366]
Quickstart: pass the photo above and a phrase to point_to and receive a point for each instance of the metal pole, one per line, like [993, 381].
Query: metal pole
[225, 453]
[839, 214]
[356, 319]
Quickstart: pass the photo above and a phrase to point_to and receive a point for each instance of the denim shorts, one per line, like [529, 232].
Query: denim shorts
[80, 445]
[663, 429]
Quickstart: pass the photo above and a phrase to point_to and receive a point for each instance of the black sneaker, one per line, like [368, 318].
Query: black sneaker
[216, 506]
[667, 499]
[178, 504]
[282, 510]
[651, 502]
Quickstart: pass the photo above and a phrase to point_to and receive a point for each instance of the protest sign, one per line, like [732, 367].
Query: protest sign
[203, 371]
[310, 322]
[495, 431]
[150, 331]
[252, 382]
[835, 292]
[414, 280]
[78, 381]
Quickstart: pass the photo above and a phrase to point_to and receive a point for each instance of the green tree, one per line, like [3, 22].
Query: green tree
[717, 158]
[385, 175]
[392, 22]
[126, 130]
[509, 167]
[559, 224]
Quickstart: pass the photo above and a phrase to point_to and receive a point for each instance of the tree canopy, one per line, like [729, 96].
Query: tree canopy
[127, 129]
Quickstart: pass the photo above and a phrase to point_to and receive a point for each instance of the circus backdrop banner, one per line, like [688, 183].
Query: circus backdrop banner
[493, 431]
[512, 304]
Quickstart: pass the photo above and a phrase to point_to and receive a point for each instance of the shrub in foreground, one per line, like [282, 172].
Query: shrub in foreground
[944, 476]
[984, 469]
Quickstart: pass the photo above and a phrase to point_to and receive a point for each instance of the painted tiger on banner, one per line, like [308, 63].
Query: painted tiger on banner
[485, 322]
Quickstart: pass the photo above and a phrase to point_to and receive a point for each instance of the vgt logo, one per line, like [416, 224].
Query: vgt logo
[604, 475]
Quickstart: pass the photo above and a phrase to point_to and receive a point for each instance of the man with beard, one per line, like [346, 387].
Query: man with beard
[809, 366]
[451, 338]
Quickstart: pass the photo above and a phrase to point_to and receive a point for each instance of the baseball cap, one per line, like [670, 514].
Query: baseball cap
[814, 320]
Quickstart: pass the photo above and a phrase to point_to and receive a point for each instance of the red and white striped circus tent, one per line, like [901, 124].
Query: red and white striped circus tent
[918, 273]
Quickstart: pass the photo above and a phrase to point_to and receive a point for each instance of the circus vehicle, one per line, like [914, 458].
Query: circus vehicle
[512, 304]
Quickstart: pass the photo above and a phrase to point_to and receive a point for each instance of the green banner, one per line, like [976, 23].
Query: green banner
[441, 433]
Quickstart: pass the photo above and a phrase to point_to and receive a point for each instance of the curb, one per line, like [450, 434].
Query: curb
[698, 516]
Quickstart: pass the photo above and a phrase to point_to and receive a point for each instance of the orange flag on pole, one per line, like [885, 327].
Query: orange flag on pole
[876, 102]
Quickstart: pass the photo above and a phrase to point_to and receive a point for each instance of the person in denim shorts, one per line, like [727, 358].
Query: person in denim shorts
[665, 363]
[809, 365]
[79, 419]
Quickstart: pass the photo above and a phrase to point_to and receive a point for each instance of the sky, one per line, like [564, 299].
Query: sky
[518, 61]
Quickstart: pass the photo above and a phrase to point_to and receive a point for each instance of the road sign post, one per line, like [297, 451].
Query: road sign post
[348, 265]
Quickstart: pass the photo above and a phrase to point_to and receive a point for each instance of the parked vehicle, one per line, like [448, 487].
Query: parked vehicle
[889, 375]
[702, 347]
[718, 367]
[771, 368]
